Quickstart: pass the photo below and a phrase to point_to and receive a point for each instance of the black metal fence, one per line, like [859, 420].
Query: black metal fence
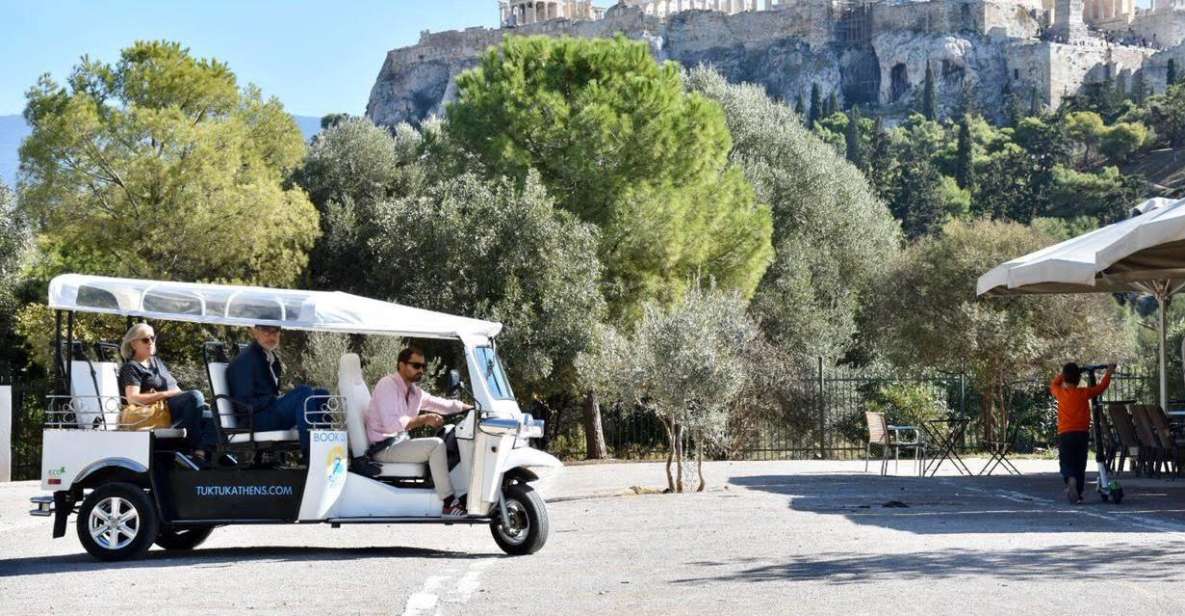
[28, 414]
[832, 424]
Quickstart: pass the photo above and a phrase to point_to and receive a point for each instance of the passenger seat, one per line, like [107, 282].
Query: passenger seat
[352, 386]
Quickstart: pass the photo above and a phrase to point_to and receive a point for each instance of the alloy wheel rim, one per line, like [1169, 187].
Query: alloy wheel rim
[114, 523]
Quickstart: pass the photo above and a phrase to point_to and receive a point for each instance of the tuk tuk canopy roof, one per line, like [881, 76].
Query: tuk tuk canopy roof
[234, 305]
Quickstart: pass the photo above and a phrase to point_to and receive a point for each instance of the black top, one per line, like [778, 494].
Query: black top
[153, 377]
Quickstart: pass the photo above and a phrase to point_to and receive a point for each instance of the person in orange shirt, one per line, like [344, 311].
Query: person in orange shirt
[1073, 425]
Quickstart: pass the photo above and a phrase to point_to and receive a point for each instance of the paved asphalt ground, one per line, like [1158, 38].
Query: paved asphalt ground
[766, 538]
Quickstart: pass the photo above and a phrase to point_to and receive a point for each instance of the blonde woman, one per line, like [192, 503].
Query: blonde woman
[144, 379]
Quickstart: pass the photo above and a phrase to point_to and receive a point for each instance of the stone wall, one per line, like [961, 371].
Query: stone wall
[873, 55]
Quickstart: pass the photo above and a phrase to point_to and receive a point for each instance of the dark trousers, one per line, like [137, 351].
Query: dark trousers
[1073, 449]
[188, 409]
[287, 412]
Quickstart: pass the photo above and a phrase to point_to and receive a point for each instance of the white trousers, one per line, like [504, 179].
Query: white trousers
[430, 450]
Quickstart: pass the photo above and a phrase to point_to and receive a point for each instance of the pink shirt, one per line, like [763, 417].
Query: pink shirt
[394, 404]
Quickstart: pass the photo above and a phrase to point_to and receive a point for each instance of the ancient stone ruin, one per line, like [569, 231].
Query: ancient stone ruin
[984, 54]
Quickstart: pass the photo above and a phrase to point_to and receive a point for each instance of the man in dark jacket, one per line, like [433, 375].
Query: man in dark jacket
[254, 380]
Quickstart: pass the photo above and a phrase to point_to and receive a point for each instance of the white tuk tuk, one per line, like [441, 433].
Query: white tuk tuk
[132, 488]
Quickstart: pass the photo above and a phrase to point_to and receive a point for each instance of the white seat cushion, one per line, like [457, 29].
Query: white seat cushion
[265, 437]
[403, 469]
[352, 386]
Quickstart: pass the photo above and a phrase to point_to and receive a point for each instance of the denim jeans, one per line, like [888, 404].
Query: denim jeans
[287, 412]
[188, 409]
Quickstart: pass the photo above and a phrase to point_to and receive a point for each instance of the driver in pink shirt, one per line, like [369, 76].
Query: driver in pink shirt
[395, 410]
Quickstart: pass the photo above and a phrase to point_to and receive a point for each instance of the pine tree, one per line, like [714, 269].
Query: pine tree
[832, 104]
[798, 108]
[928, 93]
[1170, 75]
[1034, 103]
[816, 106]
[964, 157]
[852, 136]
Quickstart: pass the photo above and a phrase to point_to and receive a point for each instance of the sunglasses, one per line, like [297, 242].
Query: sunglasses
[148, 340]
[418, 365]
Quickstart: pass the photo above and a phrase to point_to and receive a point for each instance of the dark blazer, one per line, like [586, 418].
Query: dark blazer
[250, 380]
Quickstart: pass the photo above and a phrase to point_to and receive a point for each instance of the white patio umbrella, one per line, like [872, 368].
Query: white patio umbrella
[1145, 253]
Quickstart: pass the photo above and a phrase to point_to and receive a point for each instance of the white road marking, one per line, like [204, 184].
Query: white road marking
[1122, 518]
[424, 601]
[469, 582]
[428, 601]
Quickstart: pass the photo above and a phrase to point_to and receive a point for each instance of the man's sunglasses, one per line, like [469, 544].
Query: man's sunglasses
[418, 365]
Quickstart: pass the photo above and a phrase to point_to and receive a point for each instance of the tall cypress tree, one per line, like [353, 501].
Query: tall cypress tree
[816, 105]
[928, 93]
[882, 162]
[832, 104]
[964, 157]
[852, 137]
[1139, 88]
[798, 109]
[1034, 103]
[1170, 76]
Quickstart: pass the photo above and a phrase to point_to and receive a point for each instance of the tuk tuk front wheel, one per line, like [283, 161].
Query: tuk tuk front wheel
[529, 525]
[182, 537]
[117, 521]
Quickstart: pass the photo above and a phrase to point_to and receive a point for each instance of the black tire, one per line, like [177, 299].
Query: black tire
[528, 515]
[99, 532]
[182, 537]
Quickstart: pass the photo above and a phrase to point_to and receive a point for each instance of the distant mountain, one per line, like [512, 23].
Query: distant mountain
[13, 129]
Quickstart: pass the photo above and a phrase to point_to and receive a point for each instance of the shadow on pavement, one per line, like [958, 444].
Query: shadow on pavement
[1072, 562]
[946, 505]
[218, 556]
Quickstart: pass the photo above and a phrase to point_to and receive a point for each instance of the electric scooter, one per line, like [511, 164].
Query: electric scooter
[1108, 488]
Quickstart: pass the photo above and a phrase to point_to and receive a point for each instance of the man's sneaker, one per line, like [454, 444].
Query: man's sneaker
[1072, 491]
[452, 509]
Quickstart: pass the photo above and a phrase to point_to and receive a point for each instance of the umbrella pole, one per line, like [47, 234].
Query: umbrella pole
[1162, 300]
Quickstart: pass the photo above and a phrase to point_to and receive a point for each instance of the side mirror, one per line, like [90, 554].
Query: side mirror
[453, 385]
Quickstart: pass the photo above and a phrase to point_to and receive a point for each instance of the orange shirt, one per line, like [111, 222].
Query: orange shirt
[1073, 404]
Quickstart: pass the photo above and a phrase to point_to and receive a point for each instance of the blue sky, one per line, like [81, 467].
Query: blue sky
[316, 57]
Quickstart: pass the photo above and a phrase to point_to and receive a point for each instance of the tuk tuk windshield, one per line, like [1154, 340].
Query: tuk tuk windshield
[491, 371]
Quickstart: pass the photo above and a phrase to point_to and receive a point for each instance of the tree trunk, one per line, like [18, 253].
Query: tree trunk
[679, 458]
[594, 435]
[699, 461]
[670, 454]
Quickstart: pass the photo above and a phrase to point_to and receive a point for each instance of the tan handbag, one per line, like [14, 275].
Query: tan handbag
[146, 417]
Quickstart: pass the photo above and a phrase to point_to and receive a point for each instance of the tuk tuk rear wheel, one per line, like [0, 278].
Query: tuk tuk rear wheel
[117, 521]
[182, 537]
[529, 525]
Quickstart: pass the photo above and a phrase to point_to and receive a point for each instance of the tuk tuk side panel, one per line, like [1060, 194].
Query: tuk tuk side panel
[69, 455]
[362, 498]
[485, 483]
[328, 463]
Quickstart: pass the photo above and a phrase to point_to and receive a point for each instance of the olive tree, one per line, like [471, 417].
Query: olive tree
[831, 235]
[493, 250]
[685, 363]
[927, 315]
